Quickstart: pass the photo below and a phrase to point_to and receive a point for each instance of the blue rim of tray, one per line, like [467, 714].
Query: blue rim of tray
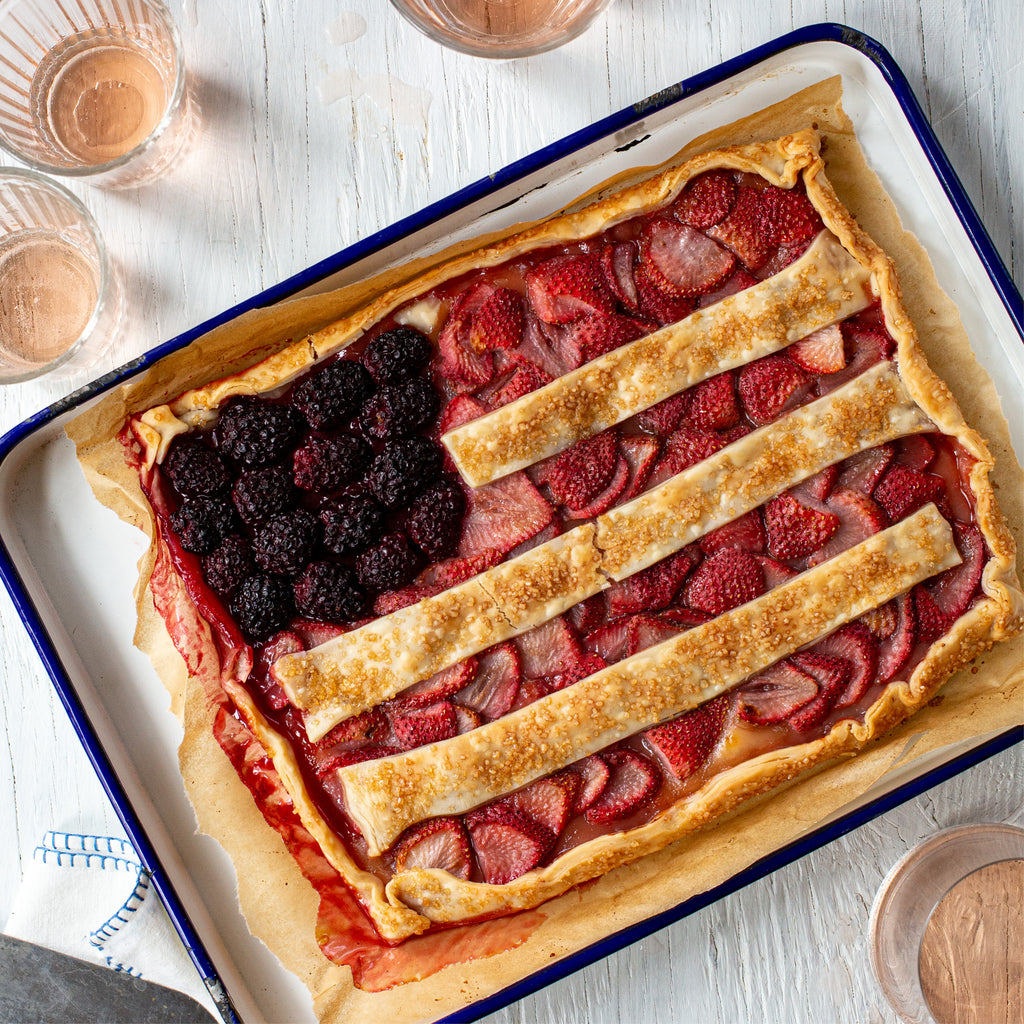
[1001, 280]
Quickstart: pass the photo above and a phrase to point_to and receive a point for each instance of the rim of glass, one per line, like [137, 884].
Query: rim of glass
[435, 32]
[91, 170]
[103, 293]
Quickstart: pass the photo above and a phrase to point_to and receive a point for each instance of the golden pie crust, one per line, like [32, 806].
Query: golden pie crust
[359, 669]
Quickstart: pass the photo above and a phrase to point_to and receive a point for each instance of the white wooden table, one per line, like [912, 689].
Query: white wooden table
[324, 121]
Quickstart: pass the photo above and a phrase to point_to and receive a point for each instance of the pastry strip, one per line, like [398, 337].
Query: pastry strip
[385, 796]
[824, 285]
[356, 671]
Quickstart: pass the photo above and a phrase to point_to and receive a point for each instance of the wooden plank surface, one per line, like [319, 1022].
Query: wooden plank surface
[324, 121]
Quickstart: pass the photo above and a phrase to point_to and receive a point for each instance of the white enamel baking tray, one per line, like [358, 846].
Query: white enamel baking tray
[70, 564]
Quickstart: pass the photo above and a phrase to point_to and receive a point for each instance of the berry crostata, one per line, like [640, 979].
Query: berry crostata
[562, 550]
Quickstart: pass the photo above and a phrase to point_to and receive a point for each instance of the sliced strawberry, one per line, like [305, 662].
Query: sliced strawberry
[552, 530]
[832, 675]
[682, 260]
[436, 843]
[502, 514]
[494, 689]
[713, 404]
[859, 518]
[687, 618]
[609, 641]
[893, 653]
[617, 262]
[634, 779]
[651, 588]
[358, 729]
[819, 486]
[793, 216]
[537, 348]
[549, 801]
[954, 588]
[640, 454]
[684, 744]
[746, 230]
[902, 490]
[932, 622]
[666, 416]
[823, 351]
[498, 323]
[775, 572]
[418, 726]
[278, 646]
[770, 386]
[706, 200]
[684, 447]
[545, 649]
[461, 409]
[775, 694]
[734, 433]
[747, 533]
[795, 530]
[466, 719]
[313, 633]
[453, 571]
[526, 377]
[394, 600]
[462, 362]
[564, 288]
[739, 280]
[915, 451]
[648, 631]
[598, 333]
[726, 579]
[657, 304]
[604, 499]
[573, 671]
[529, 691]
[865, 346]
[855, 645]
[343, 758]
[861, 472]
[583, 470]
[594, 774]
[507, 843]
[588, 614]
[439, 686]
[882, 621]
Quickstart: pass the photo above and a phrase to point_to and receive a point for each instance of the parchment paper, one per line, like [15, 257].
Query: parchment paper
[279, 905]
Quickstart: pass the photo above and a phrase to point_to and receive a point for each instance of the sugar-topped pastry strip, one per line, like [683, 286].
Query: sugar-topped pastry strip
[356, 671]
[385, 796]
[823, 286]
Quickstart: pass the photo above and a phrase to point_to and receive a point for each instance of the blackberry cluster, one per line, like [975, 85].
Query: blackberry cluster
[229, 564]
[400, 410]
[397, 355]
[261, 493]
[435, 519]
[262, 606]
[391, 563]
[286, 542]
[331, 397]
[325, 464]
[194, 469]
[352, 524]
[402, 470]
[201, 523]
[329, 591]
[255, 433]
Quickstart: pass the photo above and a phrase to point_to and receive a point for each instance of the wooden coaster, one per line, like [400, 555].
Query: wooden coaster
[972, 952]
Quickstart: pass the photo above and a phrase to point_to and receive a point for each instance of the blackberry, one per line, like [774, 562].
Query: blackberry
[323, 464]
[397, 354]
[254, 433]
[194, 469]
[262, 605]
[389, 564]
[227, 565]
[352, 524]
[400, 410]
[201, 523]
[332, 396]
[329, 592]
[435, 519]
[286, 542]
[403, 469]
[261, 493]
